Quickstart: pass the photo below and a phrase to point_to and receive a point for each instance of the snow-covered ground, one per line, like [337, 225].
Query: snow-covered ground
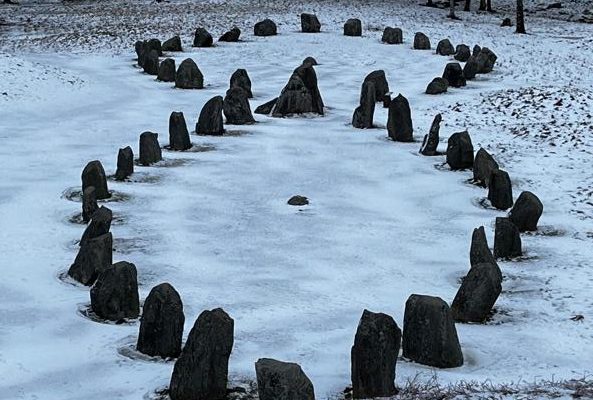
[383, 222]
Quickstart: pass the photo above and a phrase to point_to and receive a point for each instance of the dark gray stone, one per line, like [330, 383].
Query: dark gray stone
[150, 150]
[155, 44]
[300, 95]
[353, 27]
[363, 115]
[202, 38]
[374, 356]
[167, 70]
[173, 44]
[189, 75]
[240, 78]
[431, 141]
[478, 293]
[486, 60]
[507, 239]
[310, 23]
[99, 225]
[507, 22]
[266, 108]
[421, 41]
[298, 201]
[500, 190]
[430, 337]
[231, 36]
[470, 69]
[201, 372]
[93, 174]
[460, 151]
[437, 86]
[399, 120]
[309, 61]
[114, 296]
[236, 107]
[380, 81]
[267, 27]
[151, 63]
[277, 380]
[89, 203]
[527, 211]
[178, 133]
[392, 36]
[479, 252]
[94, 257]
[484, 165]
[125, 163]
[462, 52]
[445, 48]
[454, 75]
[476, 50]
[210, 120]
[161, 325]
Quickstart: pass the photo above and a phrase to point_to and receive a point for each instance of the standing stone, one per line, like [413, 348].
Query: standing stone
[485, 59]
[173, 44]
[139, 48]
[125, 163]
[430, 337]
[151, 63]
[527, 211]
[202, 38]
[115, 293]
[392, 36]
[240, 78]
[231, 36]
[161, 325]
[93, 174]
[470, 69]
[476, 50]
[178, 133]
[478, 293]
[399, 120]
[266, 108]
[89, 203]
[460, 151]
[210, 120]
[310, 23]
[100, 225]
[155, 44]
[431, 141]
[462, 53]
[421, 41]
[507, 239]
[374, 355]
[380, 81]
[277, 380]
[309, 61]
[94, 257]
[500, 190]
[479, 252]
[353, 27]
[437, 86]
[454, 75]
[201, 372]
[363, 115]
[484, 165]
[445, 48]
[300, 95]
[236, 107]
[506, 22]
[150, 150]
[189, 75]
[167, 71]
[267, 27]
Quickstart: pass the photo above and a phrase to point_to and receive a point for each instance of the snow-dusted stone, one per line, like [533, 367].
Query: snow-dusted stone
[476, 50]
[430, 337]
[167, 70]
[437, 86]
[527, 211]
[210, 119]
[363, 114]
[392, 36]
[267, 27]
[309, 61]
[431, 141]
[89, 203]
[231, 36]
[300, 95]
[500, 190]
[150, 149]
[478, 293]
[240, 78]
[278, 380]
[507, 239]
[161, 325]
[173, 44]
[125, 163]
[485, 59]
[421, 41]
[353, 27]
[470, 69]
[484, 165]
[155, 44]
[114, 296]
[374, 355]
[94, 257]
[151, 63]
[380, 81]
[479, 252]
[201, 372]
[386, 100]
[445, 48]
[460, 151]
[266, 108]
[236, 107]
[178, 133]
[189, 75]
[99, 225]
[399, 120]
[139, 48]
[93, 174]
[507, 22]
[310, 23]
[298, 201]
[454, 74]
[462, 52]
[202, 38]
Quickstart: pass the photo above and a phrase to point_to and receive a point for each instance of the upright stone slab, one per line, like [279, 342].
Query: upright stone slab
[478, 293]
[527, 211]
[484, 165]
[363, 114]
[189, 76]
[399, 120]
[161, 325]
[453, 73]
[94, 257]
[430, 337]
[125, 163]
[89, 203]
[202, 38]
[476, 50]
[460, 151]
[267, 27]
[310, 23]
[507, 239]
[167, 71]
[500, 190]
[178, 133]
[431, 141]
[353, 27]
[114, 295]
[380, 82]
[236, 107]
[201, 372]
[445, 48]
[470, 69]
[462, 53]
[151, 62]
[240, 79]
[309, 61]
[267, 107]
[93, 174]
[155, 44]
[374, 355]
[173, 44]
[437, 86]
[479, 252]
[210, 120]
[421, 41]
[99, 225]
[486, 60]
[300, 95]
[277, 380]
[150, 149]
[231, 36]
[392, 36]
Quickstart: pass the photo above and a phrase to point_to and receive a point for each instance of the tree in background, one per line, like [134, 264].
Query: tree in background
[520, 18]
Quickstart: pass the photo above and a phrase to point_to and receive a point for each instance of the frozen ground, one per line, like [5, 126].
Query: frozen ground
[383, 222]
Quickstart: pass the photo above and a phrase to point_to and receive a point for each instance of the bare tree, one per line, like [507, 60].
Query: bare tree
[482, 5]
[520, 18]
[452, 10]
[467, 5]
[489, 5]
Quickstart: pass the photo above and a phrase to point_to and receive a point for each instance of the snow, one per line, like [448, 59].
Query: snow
[383, 222]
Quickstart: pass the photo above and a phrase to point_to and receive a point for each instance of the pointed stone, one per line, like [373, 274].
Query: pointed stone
[484, 165]
[114, 295]
[500, 190]
[266, 108]
[363, 115]
[478, 293]
[125, 163]
[431, 141]
[236, 107]
[93, 174]
[99, 225]
[300, 95]
[167, 70]
[178, 133]
[189, 76]
[277, 380]
[310, 23]
[507, 239]
[150, 149]
[210, 120]
[380, 81]
[240, 79]
[399, 120]
[527, 211]
[202, 38]
[479, 252]
[94, 257]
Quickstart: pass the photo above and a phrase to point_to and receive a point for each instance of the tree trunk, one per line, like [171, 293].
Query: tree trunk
[452, 9]
[429, 3]
[520, 23]
[482, 5]
[467, 5]
[489, 5]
